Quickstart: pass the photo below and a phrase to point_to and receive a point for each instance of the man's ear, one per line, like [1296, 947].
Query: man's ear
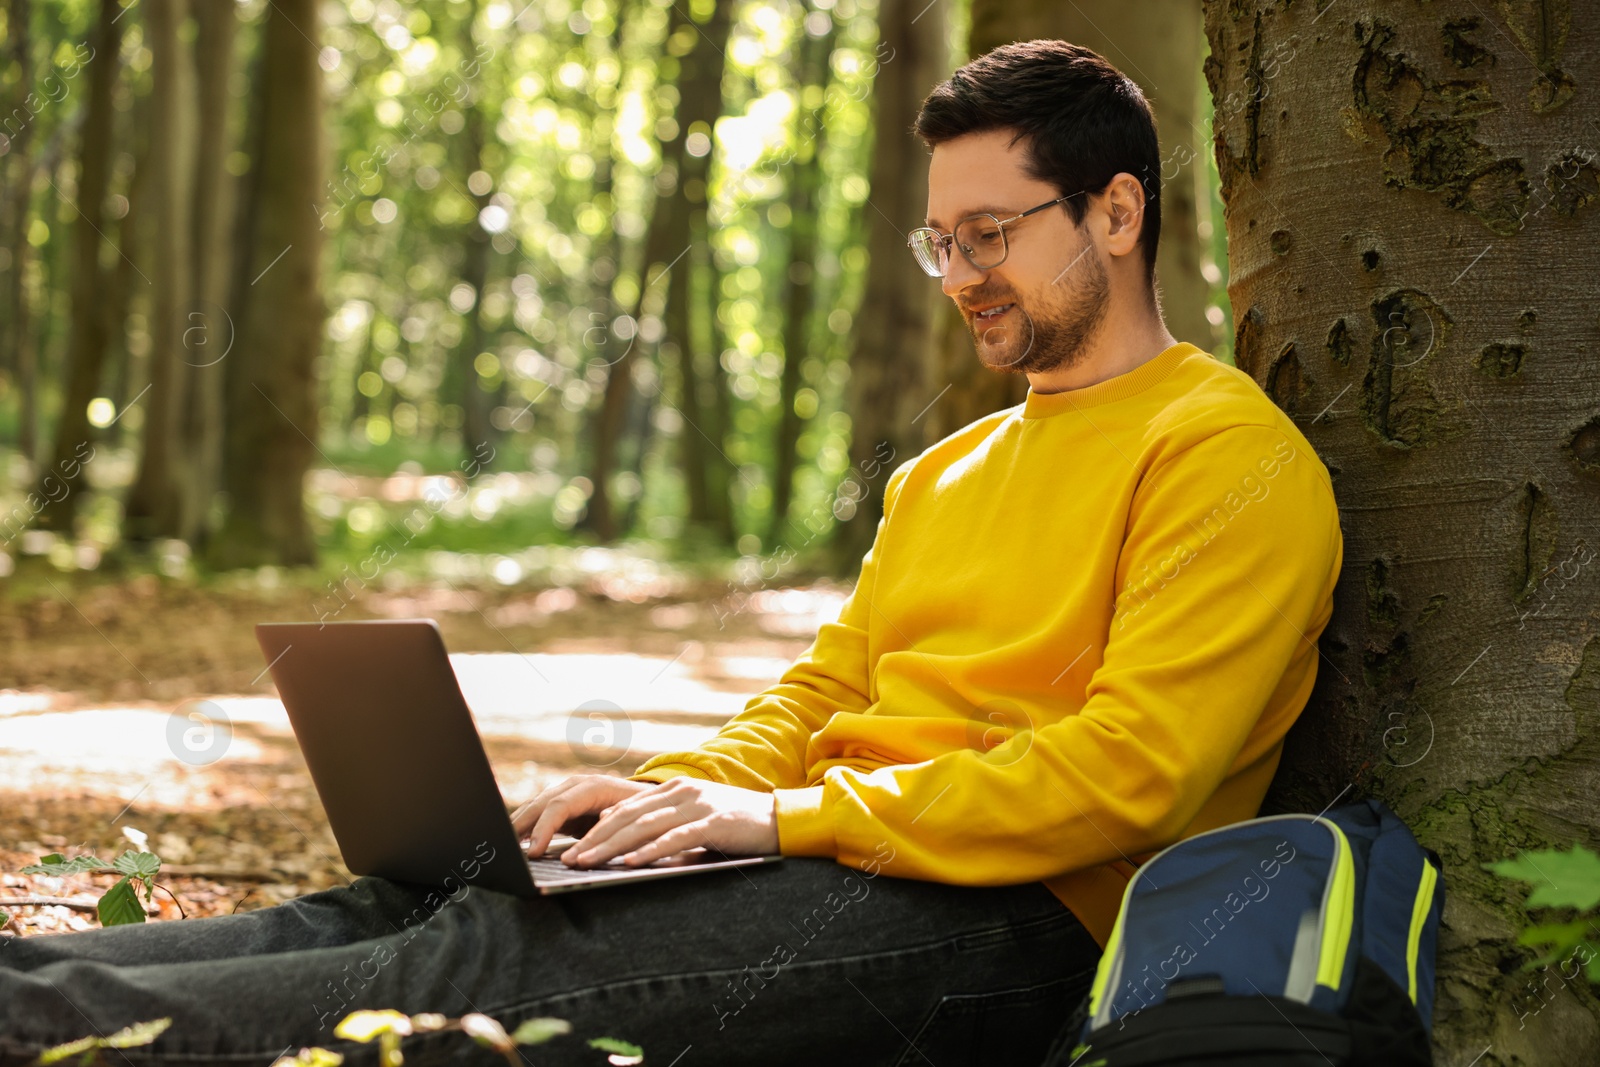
[1125, 206]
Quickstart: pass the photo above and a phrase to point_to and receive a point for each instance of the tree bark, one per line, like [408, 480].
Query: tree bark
[272, 416]
[90, 328]
[161, 502]
[891, 387]
[1410, 200]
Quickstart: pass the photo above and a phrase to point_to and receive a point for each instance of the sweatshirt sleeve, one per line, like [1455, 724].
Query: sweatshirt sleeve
[1226, 577]
[764, 746]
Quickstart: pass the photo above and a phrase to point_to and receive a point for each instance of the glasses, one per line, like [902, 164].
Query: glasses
[981, 238]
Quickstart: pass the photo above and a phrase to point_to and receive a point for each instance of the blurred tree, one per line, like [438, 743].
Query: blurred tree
[20, 353]
[208, 329]
[700, 387]
[699, 54]
[477, 395]
[1411, 198]
[163, 501]
[270, 436]
[90, 328]
[810, 76]
[890, 379]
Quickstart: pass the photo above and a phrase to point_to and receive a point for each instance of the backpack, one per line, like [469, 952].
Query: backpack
[1287, 940]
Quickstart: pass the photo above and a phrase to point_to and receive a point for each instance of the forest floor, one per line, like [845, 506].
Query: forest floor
[102, 676]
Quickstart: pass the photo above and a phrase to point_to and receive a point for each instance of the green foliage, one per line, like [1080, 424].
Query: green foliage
[537, 1031]
[623, 1054]
[88, 1049]
[1563, 880]
[120, 904]
[569, 106]
[388, 1026]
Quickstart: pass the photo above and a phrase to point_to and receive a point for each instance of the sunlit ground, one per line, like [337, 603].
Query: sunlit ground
[630, 659]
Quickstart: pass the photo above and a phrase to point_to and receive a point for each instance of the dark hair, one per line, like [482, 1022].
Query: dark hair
[1083, 121]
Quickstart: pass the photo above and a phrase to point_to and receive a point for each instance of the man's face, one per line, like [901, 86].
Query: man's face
[1037, 309]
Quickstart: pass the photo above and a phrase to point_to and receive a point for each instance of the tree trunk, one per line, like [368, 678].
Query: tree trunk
[208, 330]
[699, 82]
[161, 502]
[20, 355]
[90, 328]
[1408, 225]
[664, 243]
[805, 181]
[272, 417]
[123, 278]
[477, 436]
[711, 380]
[891, 386]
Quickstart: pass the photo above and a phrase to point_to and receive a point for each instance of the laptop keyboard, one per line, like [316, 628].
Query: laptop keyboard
[548, 870]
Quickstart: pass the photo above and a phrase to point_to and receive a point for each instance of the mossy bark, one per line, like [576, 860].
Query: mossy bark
[1411, 227]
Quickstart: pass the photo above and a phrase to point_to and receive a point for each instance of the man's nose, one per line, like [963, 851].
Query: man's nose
[960, 275]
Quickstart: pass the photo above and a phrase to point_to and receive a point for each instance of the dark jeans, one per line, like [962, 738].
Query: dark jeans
[799, 962]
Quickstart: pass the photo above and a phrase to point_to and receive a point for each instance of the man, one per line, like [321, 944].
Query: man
[1081, 633]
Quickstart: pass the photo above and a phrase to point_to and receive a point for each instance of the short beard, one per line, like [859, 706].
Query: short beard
[1057, 333]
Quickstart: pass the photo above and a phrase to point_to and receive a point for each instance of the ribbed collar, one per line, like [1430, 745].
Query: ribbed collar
[1140, 378]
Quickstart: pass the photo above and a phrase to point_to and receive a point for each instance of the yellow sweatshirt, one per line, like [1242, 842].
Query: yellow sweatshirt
[1081, 633]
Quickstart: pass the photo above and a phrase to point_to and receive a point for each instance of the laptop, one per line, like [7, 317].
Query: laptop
[402, 772]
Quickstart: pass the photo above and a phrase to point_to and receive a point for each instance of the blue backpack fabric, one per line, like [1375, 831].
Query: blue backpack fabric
[1287, 939]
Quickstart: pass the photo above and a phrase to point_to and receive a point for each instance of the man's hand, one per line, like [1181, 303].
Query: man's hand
[661, 820]
[571, 798]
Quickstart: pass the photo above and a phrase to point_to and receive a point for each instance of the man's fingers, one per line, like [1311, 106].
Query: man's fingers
[680, 839]
[524, 817]
[643, 828]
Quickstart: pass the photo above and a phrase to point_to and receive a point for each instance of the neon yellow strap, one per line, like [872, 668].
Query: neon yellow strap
[1340, 918]
[1419, 916]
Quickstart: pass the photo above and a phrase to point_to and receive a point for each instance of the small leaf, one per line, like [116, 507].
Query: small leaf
[71, 1048]
[366, 1025]
[127, 1037]
[120, 905]
[145, 865]
[1569, 879]
[623, 1053]
[485, 1031]
[539, 1030]
[138, 1033]
[428, 1020]
[55, 866]
[310, 1057]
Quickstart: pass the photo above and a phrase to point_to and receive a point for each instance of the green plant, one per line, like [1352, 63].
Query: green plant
[119, 904]
[387, 1027]
[1564, 881]
[88, 1049]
